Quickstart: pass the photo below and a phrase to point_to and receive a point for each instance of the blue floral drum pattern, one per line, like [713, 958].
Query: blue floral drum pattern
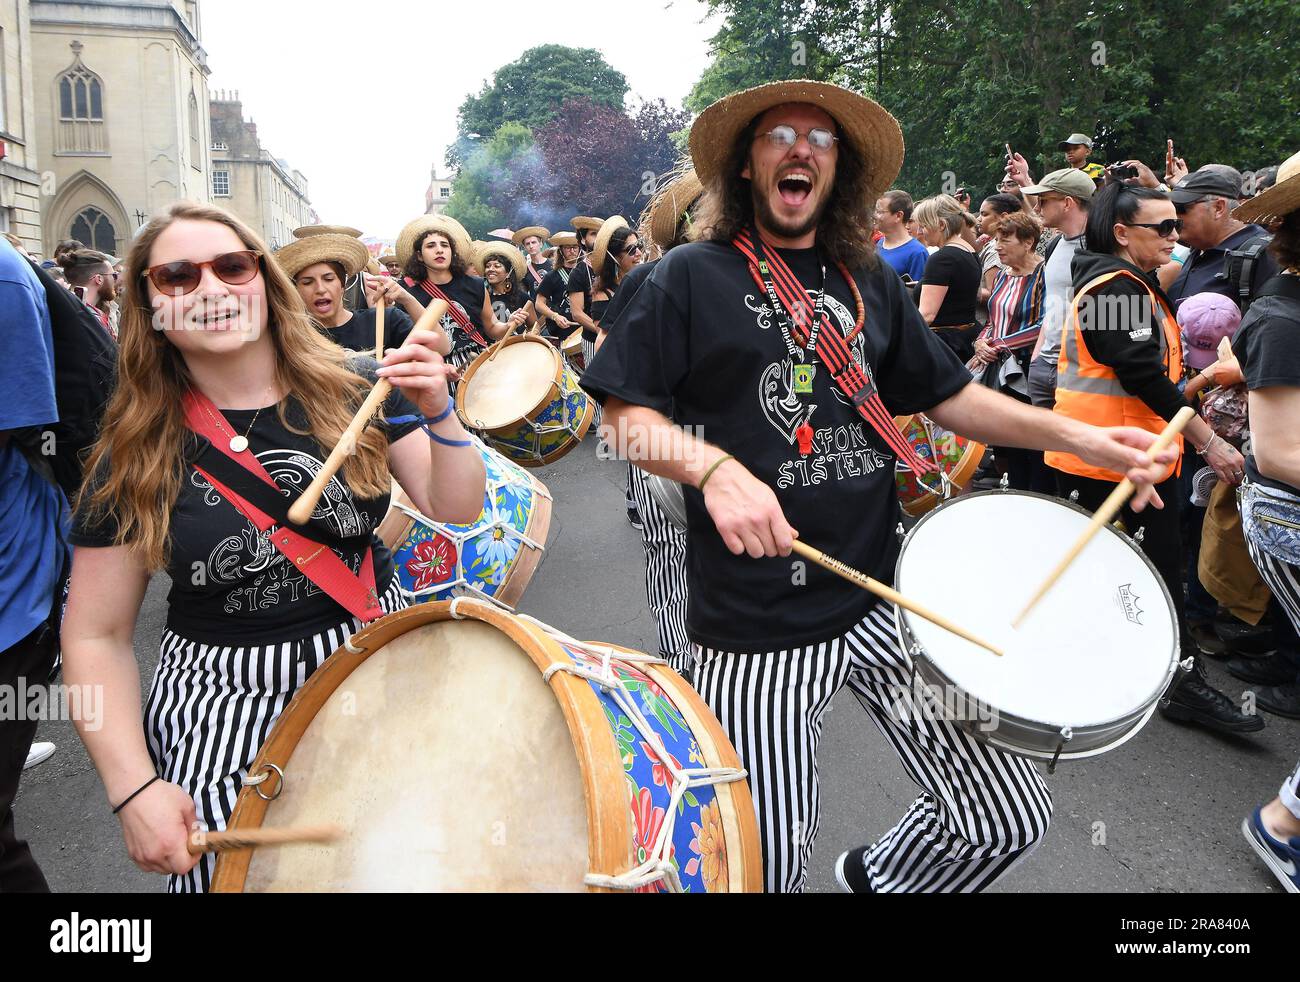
[437, 561]
[556, 430]
[698, 850]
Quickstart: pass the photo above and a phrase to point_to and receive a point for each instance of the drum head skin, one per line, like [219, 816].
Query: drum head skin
[510, 383]
[1100, 646]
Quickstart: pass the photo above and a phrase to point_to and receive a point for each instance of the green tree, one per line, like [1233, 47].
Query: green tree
[480, 197]
[531, 89]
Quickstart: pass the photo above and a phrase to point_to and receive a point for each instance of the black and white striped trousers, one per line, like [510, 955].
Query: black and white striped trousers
[211, 707]
[665, 575]
[980, 810]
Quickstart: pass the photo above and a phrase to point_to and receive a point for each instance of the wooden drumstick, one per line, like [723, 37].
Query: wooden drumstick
[379, 329]
[1109, 508]
[889, 593]
[201, 842]
[300, 511]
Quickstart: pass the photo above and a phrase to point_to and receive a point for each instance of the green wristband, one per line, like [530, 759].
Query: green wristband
[716, 464]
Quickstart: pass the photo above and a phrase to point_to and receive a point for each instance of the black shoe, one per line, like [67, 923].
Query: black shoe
[1270, 670]
[1207, 639]
[1193, 700]
[634, 517]
[1245, 639]
[1281, 700]
[851, 871]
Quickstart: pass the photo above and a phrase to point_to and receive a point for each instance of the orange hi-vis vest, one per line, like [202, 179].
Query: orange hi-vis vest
[1090, 391]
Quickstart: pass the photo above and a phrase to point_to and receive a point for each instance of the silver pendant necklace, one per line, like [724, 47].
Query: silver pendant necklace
[238, 443]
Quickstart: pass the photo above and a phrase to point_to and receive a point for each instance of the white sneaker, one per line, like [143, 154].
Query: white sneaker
[39, 753]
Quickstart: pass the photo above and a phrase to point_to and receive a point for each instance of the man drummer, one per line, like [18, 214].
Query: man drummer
[791, 171]
[532, 240]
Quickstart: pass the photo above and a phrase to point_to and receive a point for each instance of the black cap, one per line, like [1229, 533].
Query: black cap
[1201, 183]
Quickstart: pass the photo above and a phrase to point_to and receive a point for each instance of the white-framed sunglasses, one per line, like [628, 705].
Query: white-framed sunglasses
[783, 136]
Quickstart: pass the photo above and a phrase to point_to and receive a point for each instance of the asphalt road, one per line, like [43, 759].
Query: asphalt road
[1169, 803]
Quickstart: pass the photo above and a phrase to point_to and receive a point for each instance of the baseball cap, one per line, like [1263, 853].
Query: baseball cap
[1198, 184]
[1069, 181]
[1206, 319]
[1075, 140]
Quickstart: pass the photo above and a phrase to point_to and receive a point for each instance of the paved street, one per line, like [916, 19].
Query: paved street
[1171, 801]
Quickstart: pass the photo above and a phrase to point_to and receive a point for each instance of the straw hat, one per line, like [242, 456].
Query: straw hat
[309, 230]
[323, 247]
[1279, 200]
[601, 249]
[523, 233]
[664, 212]
[586, 223]
[442, 224]
[561, 239]
[512, 257]
[872, 132]
[390, 258]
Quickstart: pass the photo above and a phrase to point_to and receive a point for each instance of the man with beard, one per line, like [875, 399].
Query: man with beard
[792, 170]
[532, 240]
[92, 272]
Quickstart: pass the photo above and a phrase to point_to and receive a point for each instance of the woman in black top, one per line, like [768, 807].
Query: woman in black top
[552, 298]
[320, 265]
[617, 252]
[950, 284]
[503, 269]
[216, 339]
[435, 251]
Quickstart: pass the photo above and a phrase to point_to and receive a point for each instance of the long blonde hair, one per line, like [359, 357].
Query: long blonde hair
[136, 467]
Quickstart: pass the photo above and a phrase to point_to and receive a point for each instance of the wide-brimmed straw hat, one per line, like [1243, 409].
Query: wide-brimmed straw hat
[390, 258]
[323, 247]
[664, 212]
[601, 248]
[442, 224]
[1279, 200]
[309, 230]
[508, 254]
[867, 126]
[586, 223]
[560, 239]
[537, 230]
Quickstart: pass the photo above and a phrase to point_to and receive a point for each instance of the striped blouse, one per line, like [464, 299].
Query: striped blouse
[1015, 309]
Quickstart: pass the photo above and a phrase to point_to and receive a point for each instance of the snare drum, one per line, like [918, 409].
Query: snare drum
[493, 557]
[1084, 672]
[525, 400]
[958, 459]
[572, 350]
[669, 497]
[462, 748]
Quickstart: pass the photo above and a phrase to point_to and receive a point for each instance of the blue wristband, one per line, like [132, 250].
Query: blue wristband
[451, 407]
[443, 440]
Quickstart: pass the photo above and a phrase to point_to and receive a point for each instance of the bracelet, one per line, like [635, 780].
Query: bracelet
[132, 795]
[709, 473]
[395, 420]
[443, 440]
[1208, 443]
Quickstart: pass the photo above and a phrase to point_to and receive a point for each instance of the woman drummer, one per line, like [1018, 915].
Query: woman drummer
[320, 266]
[552, 298]
[216, 340]
[435, 252]
[503, 269]
[616, 252]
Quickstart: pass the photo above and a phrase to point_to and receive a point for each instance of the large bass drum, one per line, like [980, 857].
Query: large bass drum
[463, 748]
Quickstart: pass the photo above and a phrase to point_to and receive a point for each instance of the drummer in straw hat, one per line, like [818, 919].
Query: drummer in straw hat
[552, 297]
[791, 170]
[532, 239]
[320, 266]
[579, 287]
[503, 269]
[435, 252]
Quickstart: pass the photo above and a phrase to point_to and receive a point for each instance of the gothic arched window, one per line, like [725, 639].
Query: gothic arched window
[92, 228]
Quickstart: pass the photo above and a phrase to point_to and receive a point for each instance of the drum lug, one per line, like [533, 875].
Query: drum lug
[1074, 497]
[1067, 735]
[1005, 483]
[1140, 534]
[900, 532]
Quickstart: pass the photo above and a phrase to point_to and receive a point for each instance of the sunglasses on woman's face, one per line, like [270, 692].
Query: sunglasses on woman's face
[631, 249]
[184, 276]
[1163, 229]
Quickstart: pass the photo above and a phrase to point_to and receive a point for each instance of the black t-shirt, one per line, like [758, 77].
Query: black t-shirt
[530, 284]
[626, 291]
[505, 304]
[465, 292]
[358, 334]
[959, 271]
[556, 291]
[580, 282]
[1268, 347]
[229, 585]
[697, 343]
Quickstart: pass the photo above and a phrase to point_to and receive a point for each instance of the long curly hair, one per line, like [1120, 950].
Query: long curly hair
[415, 267]
[844, 231]
[136, 467]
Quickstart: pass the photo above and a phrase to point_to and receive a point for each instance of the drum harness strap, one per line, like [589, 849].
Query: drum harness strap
[657, 866]
[456, 313]
[785, 295]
